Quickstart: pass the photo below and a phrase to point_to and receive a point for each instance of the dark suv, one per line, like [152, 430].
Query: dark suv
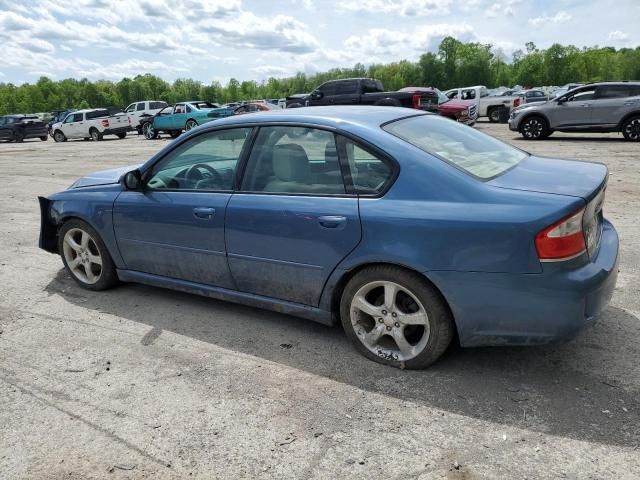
[16, 128]
[597, 107]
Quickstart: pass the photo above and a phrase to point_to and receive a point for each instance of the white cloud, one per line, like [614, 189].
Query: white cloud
[399, 7]
[560, 17]
[618, 36]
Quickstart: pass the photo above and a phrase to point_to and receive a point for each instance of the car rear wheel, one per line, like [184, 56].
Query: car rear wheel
[58, 136]
[121, 135]
[190, 124]
[534, 128]
[85, 256]
[495, 114]
[148, 131]
[631, 129]
[395, 317]
[96, 136]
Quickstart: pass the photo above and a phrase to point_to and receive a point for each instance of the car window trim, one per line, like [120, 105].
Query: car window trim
[148, 171]
[342, 160]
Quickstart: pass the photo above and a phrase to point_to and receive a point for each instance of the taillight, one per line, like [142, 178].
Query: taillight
[105, 123]
[562, 240]
[516, 103]
[416, 101]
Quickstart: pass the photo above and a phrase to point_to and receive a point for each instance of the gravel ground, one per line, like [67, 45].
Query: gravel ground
[140, 382]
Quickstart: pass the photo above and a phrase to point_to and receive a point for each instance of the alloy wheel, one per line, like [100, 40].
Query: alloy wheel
[82, 256]
[148, 131]
[190, 124]
[390, 321]
[632, 129]
[533, 128]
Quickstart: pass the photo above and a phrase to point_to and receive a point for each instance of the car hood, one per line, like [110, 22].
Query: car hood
[551, 175]
[103, 177]
[458, 104]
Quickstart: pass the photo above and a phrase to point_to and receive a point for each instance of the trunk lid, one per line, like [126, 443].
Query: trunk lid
[551, 175]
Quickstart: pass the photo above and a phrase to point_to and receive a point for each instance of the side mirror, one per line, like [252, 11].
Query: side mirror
[317, 95]
[132, 180]
[561, 100]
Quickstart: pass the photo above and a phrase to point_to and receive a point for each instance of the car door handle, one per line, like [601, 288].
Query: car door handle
[204, 212]
[332, 221]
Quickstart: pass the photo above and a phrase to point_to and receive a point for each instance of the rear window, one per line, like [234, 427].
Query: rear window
[478, 154]
[97, 114]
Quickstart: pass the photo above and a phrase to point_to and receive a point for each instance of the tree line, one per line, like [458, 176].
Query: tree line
[454, 64]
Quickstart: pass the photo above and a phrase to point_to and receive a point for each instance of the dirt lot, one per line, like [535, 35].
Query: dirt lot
[140, 382]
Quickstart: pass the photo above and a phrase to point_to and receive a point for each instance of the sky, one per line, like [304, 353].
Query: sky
[215, 40]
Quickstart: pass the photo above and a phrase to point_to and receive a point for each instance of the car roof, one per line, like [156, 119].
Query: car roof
[330, 116]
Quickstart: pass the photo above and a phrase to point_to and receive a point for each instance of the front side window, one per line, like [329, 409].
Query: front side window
[349, 87]
[294, 160]
[166, 110]
[206, 162]
[582, 95]
[328, 89]
[471, 151]
[130, 108]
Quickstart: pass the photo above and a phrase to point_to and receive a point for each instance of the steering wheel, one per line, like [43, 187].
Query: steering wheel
[195, 175]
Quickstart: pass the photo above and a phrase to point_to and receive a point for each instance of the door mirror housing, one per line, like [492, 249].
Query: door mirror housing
[561, 100]
[132, 180]
[317, 95]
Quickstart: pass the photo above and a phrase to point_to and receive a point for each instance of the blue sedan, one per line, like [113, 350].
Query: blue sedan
[407, 228]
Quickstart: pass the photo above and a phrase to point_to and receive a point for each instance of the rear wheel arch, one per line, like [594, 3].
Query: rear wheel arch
[338, 288]
[628, 116]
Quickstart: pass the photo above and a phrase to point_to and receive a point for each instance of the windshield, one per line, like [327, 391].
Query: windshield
[480, 155]
[442, 98]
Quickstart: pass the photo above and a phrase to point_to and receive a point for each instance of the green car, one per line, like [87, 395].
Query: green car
[173, 119]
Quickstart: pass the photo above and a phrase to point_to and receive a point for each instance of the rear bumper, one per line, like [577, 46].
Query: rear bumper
[529, 309]
[36, 132]
[117, 130]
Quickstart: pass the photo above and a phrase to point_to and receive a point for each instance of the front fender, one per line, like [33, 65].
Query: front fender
[93, 205]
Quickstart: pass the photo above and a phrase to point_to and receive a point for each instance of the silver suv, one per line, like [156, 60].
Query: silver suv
[597, 107]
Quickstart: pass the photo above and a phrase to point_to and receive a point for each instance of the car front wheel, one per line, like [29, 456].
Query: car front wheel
[58, 136]
[534, 128]
[85, 256]
[631, 129]
[395, 317]
[148, 131]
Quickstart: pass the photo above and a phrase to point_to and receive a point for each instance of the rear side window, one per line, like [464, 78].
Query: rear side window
[369, 172]
[294, 160]
[615, 91]
[328, 89]
[97, 114]
[478, 154]
[349, 87]
[140, 107]
[157, 105]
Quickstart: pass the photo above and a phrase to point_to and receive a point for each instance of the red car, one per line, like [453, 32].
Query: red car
[463, 111]
[254, 107]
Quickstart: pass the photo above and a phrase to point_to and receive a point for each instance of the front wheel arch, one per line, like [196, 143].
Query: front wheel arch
[338, 288]
[544, 119]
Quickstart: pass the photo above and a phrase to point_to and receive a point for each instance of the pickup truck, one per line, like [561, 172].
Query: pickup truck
[91, 124]
[496, 108]
[463, 111]
[363, 91]
[139, 111]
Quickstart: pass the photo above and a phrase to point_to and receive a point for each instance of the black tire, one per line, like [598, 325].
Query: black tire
[631, 129]
[96, 136]
[534, 128]
[495, 114]
[438, 317]
[86, 139]
[175, 133]
[121, 135]
[58, 136]
[295, 105]
[108, 277]
[18, 137]
[388, 102]
[44, 139]
[148, 131]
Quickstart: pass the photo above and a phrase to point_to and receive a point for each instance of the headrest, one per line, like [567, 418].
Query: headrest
[290, 163]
